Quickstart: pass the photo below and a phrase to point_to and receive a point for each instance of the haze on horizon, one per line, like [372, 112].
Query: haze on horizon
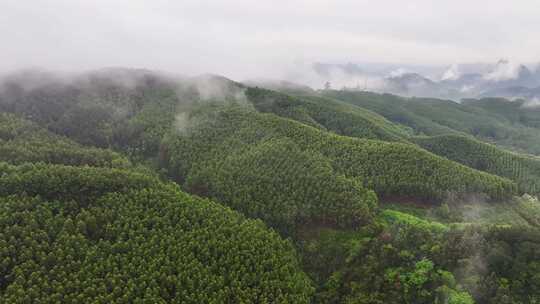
[274, 39]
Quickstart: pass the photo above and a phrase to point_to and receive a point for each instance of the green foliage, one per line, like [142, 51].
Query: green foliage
[93, 235]
[517, 111]
[396, 109]
[498, 264]
[276, 181]
[130, 111]
[82, 184]
[310, 166]
[414, 281]
[325, 250]
[484, 253]
[394, 216]
[396, 265]
[23, 141]
[391, 169]
[327, 114]
[455, 297]
[528, 207]
[438, 117]
[523, 169]
[141, 135]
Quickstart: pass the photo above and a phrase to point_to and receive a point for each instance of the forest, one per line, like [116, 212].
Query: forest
[130, 186]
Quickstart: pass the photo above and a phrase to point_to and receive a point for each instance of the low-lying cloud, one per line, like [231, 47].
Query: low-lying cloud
[453, 73]
[244, 39]
[504, 70]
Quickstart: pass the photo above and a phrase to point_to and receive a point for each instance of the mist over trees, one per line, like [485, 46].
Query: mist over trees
[272, 152]
[129, 186]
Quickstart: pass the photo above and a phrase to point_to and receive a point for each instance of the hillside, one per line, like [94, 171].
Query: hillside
[517, 112]
[223, 191]
[437, 117]
[523, 169]
[85, 234]
[24, 141]
[391, 169]
[280, 152]
[327, 114]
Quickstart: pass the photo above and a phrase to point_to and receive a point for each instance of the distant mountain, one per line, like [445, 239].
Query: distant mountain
[499, 78]
[502, 79]
[516, 92]
[280, 85]
[326, 69]
[414, 84]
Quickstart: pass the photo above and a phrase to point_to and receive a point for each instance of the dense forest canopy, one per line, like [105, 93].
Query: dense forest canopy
[82, 234]
[130, 186]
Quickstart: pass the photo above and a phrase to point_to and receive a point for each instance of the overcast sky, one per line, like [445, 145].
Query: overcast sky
[241, 38]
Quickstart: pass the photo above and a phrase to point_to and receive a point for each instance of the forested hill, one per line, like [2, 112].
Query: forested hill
[131, 186]
[24, 141]
[391, 169]
[327, 114]
[505, 123]
[74, 234]
[523, 169]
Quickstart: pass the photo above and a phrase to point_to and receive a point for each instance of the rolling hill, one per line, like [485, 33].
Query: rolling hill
[327, 114]
[133, 186]
[523, 169]
[24, 141]
[391, 169]
[94, 234]
[438, 117]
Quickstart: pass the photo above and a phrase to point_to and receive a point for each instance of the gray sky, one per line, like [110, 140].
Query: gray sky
[241, 38]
